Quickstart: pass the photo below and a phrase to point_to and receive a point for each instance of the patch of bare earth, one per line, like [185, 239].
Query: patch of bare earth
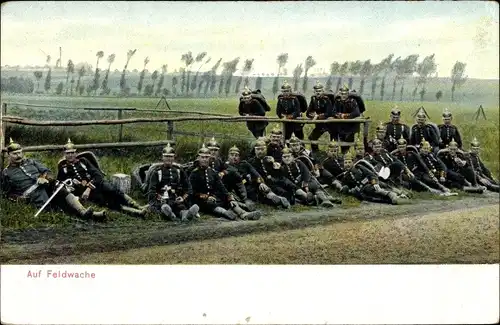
[468, 235]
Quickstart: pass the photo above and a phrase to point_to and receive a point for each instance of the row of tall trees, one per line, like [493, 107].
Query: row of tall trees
[189, 82]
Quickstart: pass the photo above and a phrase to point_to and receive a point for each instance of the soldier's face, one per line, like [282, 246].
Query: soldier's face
[421, 120]
[447, 120]
[381, 134]
[203, 160]
[234, 157]
[402, 147]
[285, 92]
[360, 151]
[475, 150]
[377, 148]
[214, 152]
[344, 95]
[332, 152]
[424, 150]
[247, 98]
[260, 152]
[70, 156]
[318, 92]
[348, 163]
[287, 159]
[16, 157]
[452, 150]
[275, 138]
[168, 160]
[395, 118]
[295, 147]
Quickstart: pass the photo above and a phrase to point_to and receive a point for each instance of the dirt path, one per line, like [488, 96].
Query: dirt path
[40, 244]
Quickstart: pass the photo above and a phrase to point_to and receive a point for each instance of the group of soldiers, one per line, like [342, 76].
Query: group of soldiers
[279, 171]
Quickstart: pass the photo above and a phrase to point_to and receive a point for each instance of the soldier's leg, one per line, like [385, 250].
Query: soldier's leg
[66, 199]
[380, 194]
[469, 175]
[299, 131]
[217, 209]
[181, 210]
[289, 128]
[316, 133]
[346, 137]
[121, 201]
[455, 180]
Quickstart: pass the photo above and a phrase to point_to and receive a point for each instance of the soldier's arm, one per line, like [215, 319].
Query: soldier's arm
[240, 108]
[222, 189]
[329, 109]
[484, 170]
[434, 136]
[310, 108]
[406, 133]
[44, 170]
[256, 177]
[152, 188]
[193, 188]
[95, 174]
[306, 174]
[279, 108]
[458, 138]
[355, 111]
[412, 137]
[442, 167]
[372, 177]
[185, 185]
[296, 105]
[61, 175]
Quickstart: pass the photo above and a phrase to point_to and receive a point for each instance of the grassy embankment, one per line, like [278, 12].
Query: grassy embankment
[124, 160]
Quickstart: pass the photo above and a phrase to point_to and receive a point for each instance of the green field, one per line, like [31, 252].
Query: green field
[124, 160]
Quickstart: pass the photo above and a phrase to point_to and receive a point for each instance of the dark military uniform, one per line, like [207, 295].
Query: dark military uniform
[17, 179]
[424, 132]
[206, 182]
[458, 176]
[449, 132]
[385, 159]
[166, 185]
[274, 178]
[289, 107]
[483, 174]
[346, 109]
[334, 166]
[322, 175]
[253, 107]
[275, 150]
[323, 108]
[393, 132]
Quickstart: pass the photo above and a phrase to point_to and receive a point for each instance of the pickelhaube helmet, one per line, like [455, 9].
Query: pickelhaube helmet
[246, 94]
[13, 146]
[260, 143]
[421, 115]
[377, 142]
[357, 141]
[294, 139]
[447, 114]
[318, 86]
[425, 145]
[212, 144]
[69, 147]
[276, 130]
[286, 151]
[453, 143]
[402, 141]
[395, 112]
[344, 88]
[286, 86]
[204, 151]
[168, 151]
[349, 155]
[381, 126]
[475, 142]
[333, 144]
[234, 149]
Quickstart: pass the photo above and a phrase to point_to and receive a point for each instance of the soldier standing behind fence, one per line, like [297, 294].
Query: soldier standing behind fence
[288, 107]
[346, 107]
[250, 106]
[320, 108]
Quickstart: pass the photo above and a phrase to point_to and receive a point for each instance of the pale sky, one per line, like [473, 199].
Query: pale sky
[329, 31]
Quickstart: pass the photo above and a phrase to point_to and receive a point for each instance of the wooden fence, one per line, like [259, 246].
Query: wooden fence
[170, 123]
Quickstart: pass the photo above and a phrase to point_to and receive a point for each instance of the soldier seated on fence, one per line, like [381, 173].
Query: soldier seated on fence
[254, 183]
[210, 194]
[275, 144]
[28, 180]
[89, 182]
[320, 108]
[168, 190]
[448, 131]
[483, 174]
[289, 107]
[308, 191]
[250, 106]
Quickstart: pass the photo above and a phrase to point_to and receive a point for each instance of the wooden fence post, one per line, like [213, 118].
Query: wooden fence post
[3, 112]
[120, 130]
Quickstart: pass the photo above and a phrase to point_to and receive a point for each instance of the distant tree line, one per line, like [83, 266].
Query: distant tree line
[219, 79]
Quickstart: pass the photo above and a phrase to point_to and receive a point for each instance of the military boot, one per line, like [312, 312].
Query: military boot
[254, 215]
[323, 200]
[250, 205]
[393, 197]
[133, 212]
[278, 200]
[301, 195]
[473, 189]
[87, 213]
[131, 202]
[228, 214]
[190, 213]
[167, 211]
[336, 185]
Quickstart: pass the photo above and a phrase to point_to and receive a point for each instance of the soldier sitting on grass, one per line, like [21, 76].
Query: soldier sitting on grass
[28, 180]
[210, 194]
[483, 174]
[168, 191]
[90, 184]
